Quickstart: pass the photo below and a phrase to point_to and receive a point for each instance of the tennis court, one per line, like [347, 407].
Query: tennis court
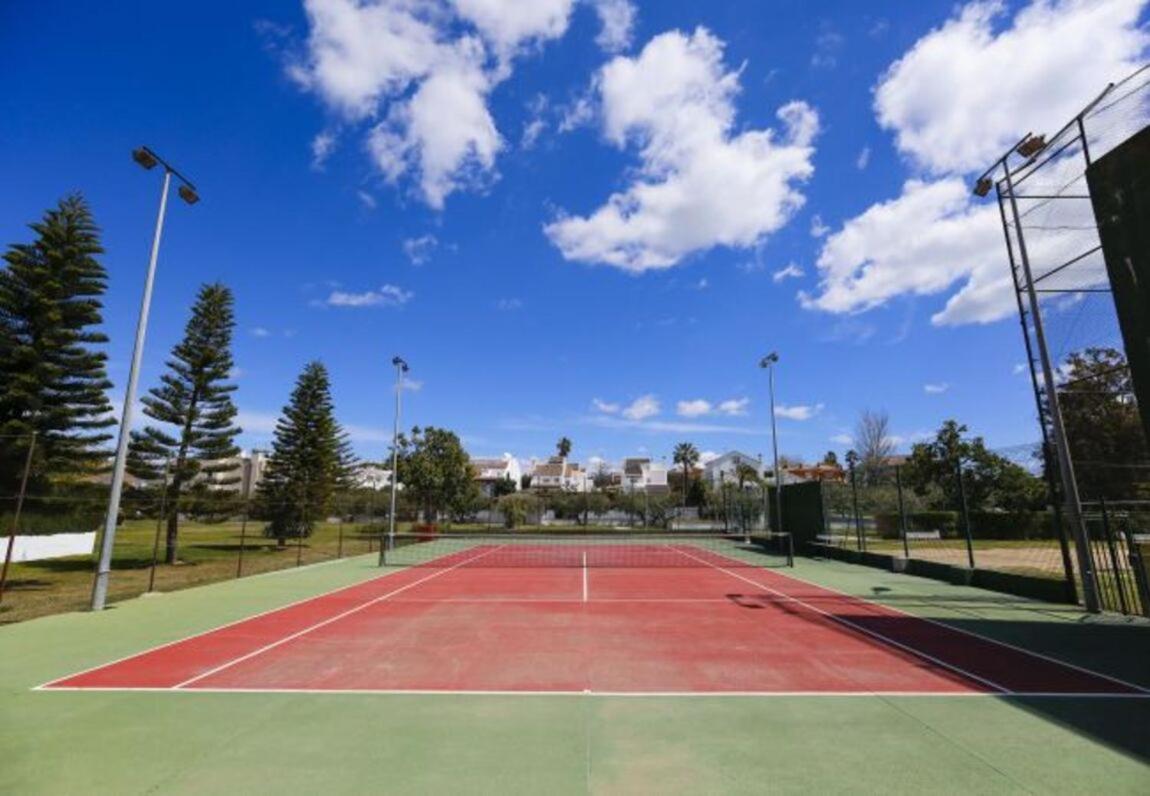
[670, 615]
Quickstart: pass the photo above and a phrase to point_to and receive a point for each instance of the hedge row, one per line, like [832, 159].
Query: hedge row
[983, 525]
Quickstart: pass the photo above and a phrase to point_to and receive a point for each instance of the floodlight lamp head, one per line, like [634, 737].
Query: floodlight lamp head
[1031, 145]
[399, 363]
[188, 194]
[769, 359]
[983, 186]
[145, 158]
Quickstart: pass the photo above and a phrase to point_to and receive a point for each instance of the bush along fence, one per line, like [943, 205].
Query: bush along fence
[956, 530]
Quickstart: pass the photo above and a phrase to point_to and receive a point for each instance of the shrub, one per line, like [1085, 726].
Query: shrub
[517, 508]
[1011, 525]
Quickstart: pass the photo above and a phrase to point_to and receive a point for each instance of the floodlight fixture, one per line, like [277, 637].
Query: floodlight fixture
[769, 359]
[399, 363]
[188, 194]
[145, 157]
[1031, 145]
[983, 186]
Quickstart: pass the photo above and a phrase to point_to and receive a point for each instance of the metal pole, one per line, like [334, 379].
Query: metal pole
[107, 543]
[1061, 444]
[775, 446]
[243, 541]
[16, 518]
[1117, 576]
[855, 502]
[1048, 471]
[901, 512]
[400, 369]
[965, 515]
[159, 525]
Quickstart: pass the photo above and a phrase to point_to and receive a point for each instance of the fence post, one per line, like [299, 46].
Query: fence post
[16, 517]
[965, 515]
[1115, 570]
[243, 540]
[301, 528]
[901, 512]
[159, 524]
[339, 544]
[1139, 566]
[858, 517]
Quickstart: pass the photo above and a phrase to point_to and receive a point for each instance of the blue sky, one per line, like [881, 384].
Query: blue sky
[573, 217]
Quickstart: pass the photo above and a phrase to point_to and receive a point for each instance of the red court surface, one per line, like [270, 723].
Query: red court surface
[704, 627]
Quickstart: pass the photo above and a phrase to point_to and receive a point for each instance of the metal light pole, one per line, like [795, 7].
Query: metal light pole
[400, 369]
[148, 160]
[768, 362]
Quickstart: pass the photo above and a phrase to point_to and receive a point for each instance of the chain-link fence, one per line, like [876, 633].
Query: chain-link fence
[947, 521]
[1078, 365]
[163, 547]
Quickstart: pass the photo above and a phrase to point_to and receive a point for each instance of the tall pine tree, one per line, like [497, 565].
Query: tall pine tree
[311, 459]
[52, 369]
[194, 402]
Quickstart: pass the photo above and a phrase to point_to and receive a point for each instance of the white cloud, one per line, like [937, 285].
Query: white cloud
[616, 20]
[1019, 369]
[412, 385]
[818, 228]
[700, 183]
[875, 256]
[734, 407]
[798, 412]
[605, 407]
[695, 408]
[966, 91]
[509, 304]
[321, 148]
[702, 284]
[511, 24]
[935, 389]
[670, 427]
[863, 160]
[419, 250]
[366, 199]
[641, 408]
[424, 69]
[707, 456]
[260, 331]
[576, 113]
[827, 47]
[792, 271]
[386, 296]
[843, 439]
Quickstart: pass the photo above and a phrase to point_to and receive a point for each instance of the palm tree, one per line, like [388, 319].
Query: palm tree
[564, 447]
[746, 472]
[686, 455]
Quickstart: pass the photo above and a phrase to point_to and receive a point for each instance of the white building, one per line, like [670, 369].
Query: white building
[725, 468]
[560, 474]
[372, 476]
[644, 475]
[488, 472]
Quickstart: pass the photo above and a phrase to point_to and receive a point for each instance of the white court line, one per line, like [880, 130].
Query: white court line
[224, 626]
[972, 634]
[584, 692]
[858, 628]
[328, 621]
[584, 576]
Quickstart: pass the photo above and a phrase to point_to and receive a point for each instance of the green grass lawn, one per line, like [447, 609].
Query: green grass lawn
[127, 743]
[208, 552]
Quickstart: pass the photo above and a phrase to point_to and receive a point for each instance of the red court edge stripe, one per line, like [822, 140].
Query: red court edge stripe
[1015, 670]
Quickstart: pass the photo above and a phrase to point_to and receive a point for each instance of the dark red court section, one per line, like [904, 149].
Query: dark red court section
[704, 628]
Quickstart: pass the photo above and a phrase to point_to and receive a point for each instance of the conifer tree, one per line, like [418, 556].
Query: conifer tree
[52, 368]
[311, 459]
[194, 402]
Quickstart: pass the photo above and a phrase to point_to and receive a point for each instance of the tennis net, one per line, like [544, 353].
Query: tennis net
[625, 549]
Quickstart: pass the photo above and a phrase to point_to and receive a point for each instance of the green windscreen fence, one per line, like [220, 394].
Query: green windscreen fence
[1120, 192]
